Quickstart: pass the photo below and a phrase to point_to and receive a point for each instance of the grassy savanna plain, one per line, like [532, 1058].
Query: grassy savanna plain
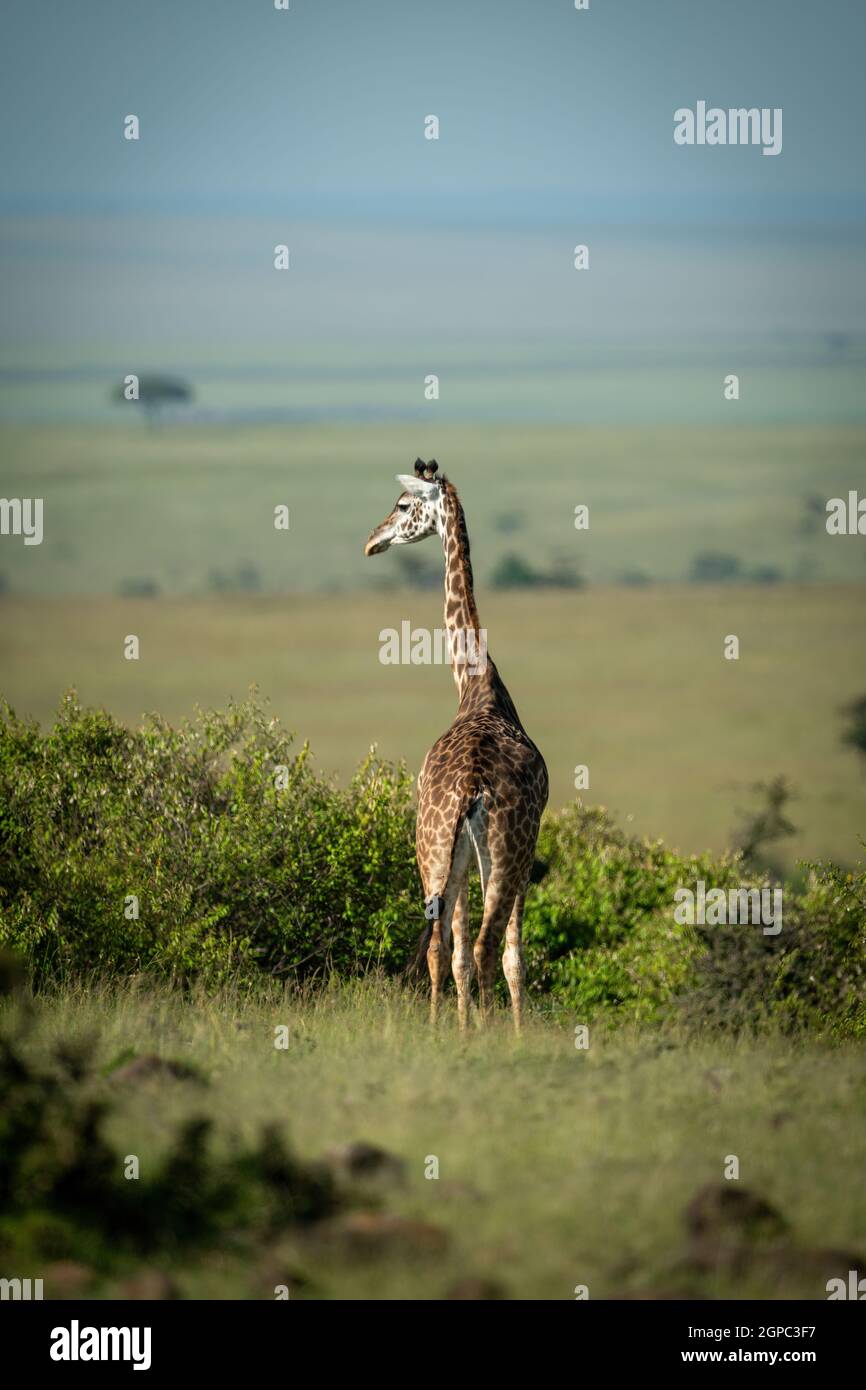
[557, 1167]
[626, 679]
[175, 505]
[630, 682]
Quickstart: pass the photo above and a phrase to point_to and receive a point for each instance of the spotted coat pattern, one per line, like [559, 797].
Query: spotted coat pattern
[483, 785]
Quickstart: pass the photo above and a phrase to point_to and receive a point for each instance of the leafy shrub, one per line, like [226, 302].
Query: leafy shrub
[513, 572]
[766, 821]
[244, 859]
[601, 937]
[245, 579]
[812, 973]
[138, 587]
[63, 1189]
[715, 567]
[599, 929]
[855, 734]
[231, 873]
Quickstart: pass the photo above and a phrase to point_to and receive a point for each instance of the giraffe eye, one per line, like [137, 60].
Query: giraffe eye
[402, 506]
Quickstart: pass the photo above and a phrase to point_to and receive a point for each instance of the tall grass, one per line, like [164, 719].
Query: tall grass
[557, 1166]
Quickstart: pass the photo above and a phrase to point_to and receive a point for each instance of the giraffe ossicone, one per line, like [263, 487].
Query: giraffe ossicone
[483, 785]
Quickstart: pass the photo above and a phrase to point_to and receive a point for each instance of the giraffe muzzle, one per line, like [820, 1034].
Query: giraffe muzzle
[377, 542]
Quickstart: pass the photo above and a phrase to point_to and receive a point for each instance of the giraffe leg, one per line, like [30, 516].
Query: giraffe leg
[512, 960]
[497, 910]
[437, 964]
[461, 957]
[439, 947]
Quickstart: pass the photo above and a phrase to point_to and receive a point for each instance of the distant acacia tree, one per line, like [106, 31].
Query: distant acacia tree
[154, 393]
[767, 821]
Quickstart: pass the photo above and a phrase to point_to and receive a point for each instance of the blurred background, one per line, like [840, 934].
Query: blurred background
[453, 257]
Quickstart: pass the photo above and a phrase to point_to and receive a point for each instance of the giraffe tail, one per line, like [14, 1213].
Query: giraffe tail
[416, 968]
[435, 905]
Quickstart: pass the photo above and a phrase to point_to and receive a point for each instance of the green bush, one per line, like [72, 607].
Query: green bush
[231, 873]
[601, 937]
[236, 873]
[62, 1186]
[513, 572]
[855, 734]
[812, 973]
[599, 929]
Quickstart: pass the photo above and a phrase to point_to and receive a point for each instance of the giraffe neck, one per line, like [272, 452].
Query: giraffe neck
[467, 642]
[477, 680]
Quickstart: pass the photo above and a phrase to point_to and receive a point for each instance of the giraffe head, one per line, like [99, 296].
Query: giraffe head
[416, 511]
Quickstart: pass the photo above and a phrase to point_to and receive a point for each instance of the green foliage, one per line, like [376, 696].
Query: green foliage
[245, 579]
[638, 1116]
[715, 567]
[231, 873]
[765, 822]
[63, 1191]
[155, 392]
[246, 862]
[601, 937]
[138, 587]
[599, 930]
[855, 734]
[766, 574]
[812, 974]
[513, 572]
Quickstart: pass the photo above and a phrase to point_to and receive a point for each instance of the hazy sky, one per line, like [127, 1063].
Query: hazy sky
[321, 107]
[306, 127]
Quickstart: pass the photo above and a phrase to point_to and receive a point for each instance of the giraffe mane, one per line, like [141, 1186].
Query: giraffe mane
[450, 491]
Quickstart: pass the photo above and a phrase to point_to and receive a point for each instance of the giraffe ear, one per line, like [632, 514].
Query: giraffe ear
[417, 486]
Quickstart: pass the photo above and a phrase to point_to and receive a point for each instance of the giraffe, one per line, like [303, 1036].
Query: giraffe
[483, 784]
